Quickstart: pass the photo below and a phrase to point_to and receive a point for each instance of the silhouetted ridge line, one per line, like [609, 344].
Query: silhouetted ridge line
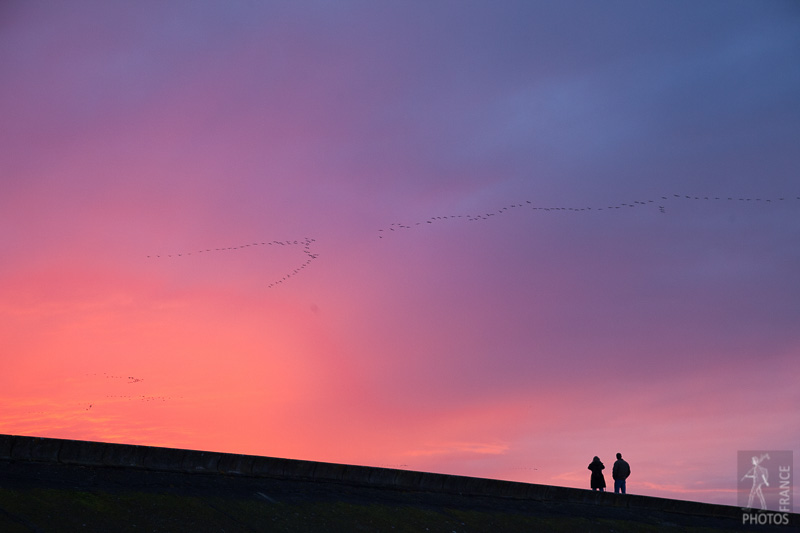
[62, 471]
[659, 203]
[306, 249]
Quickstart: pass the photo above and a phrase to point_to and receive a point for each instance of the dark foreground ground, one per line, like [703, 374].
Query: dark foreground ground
[50, 497]
[54, 485]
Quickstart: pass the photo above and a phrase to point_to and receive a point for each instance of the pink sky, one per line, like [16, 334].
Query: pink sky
[366, 329]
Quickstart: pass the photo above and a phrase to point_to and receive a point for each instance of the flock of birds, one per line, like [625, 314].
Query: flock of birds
[141, 398]
[129, 397]
[106, 375]
[306, 243]
[306, 250]
[660, 203]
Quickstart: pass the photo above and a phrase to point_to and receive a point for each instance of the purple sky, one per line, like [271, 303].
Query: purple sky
[433, 291]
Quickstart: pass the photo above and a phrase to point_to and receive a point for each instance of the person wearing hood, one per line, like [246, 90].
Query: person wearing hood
[598, 480]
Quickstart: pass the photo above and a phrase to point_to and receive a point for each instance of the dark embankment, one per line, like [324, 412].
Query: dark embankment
[53, 485]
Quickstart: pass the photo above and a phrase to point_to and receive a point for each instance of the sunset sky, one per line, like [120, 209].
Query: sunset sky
[481, 238]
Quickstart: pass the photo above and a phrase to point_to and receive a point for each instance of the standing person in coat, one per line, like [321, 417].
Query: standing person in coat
[620, 473]
[598, 480]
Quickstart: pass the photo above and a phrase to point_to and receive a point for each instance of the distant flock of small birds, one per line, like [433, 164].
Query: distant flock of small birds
[130, 379]
[129, 397]
[529, 205]
[487, 215]
[141, 398]
[307, 242]
[306, 249]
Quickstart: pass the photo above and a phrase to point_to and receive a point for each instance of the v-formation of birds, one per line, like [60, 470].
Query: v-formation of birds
[306, 250]
[306, 243]
[487, 215]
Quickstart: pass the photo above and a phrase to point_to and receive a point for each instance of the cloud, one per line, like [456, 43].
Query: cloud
[460, 448]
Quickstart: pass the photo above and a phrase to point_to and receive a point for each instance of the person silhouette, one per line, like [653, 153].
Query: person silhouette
[598, 480]
[620, 473]
[759, 475]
